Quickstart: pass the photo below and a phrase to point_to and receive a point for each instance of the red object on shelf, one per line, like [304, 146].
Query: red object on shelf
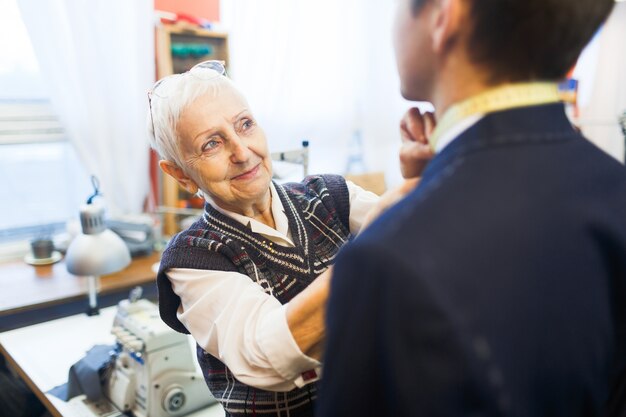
[182, 17]
[173, 18]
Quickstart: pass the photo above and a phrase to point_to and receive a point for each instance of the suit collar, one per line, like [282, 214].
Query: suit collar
[504, 128]
[495, 99]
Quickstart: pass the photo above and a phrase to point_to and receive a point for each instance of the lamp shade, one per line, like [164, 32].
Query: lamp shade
[98, 250]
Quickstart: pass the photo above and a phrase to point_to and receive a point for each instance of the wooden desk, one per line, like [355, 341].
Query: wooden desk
[42, 355]
[27, 288]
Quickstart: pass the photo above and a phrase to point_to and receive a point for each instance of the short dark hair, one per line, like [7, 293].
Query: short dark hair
[517, 40]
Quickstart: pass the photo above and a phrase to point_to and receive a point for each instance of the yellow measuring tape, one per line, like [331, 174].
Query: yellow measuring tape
[496, 99]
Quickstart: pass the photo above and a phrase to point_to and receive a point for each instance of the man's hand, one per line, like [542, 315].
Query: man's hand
[415, 129]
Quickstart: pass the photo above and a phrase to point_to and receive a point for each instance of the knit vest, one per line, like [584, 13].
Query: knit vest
[317, 210]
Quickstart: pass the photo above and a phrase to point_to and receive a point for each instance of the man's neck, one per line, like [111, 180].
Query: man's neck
[457, 85]
[480, 101]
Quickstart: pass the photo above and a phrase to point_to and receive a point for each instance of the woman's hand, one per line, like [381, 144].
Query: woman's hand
[415, 129]
[306, 311]
[415, 153]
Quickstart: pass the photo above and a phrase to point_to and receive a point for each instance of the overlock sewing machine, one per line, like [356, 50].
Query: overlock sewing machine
[154, 374]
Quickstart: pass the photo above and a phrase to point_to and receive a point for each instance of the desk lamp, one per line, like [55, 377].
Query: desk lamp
[97, 251]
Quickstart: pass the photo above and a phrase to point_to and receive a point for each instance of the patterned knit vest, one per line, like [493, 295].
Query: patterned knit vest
[317, 210]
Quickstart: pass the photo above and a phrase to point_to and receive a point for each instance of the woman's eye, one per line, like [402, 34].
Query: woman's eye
[210, 145]
[247, 124]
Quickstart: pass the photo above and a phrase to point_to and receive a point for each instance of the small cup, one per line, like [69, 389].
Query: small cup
[42, 248]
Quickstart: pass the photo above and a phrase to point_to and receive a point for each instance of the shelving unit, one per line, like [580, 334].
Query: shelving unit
[178, 48]
[169, 47]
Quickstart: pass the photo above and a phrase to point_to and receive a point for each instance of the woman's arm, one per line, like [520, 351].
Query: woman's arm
[388, 199]
[306, 315]
[306, 311]
[233, 319]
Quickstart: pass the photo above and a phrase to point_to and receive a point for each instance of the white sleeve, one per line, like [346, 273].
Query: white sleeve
[361, 202]
[233, 319]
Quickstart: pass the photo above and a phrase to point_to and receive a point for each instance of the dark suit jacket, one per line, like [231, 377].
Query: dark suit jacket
[496, 288]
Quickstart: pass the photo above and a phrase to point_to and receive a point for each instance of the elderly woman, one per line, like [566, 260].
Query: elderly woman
[248, 280]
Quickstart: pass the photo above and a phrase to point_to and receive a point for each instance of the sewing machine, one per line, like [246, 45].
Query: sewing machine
[154, 374]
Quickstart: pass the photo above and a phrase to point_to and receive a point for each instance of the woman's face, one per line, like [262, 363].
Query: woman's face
[224, 150]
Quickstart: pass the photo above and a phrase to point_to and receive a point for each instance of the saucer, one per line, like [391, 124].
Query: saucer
[30, 259]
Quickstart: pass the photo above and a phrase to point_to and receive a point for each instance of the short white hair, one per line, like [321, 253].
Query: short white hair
[170, 98]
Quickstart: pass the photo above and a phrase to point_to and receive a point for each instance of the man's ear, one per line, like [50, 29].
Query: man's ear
[174, 171]
[446, 23]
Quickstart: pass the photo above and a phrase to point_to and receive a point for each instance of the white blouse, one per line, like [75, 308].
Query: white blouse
[233, 319]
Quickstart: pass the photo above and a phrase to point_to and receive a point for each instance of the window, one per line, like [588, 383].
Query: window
[42, 183]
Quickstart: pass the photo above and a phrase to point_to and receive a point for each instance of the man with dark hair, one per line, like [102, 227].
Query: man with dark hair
[497, 287]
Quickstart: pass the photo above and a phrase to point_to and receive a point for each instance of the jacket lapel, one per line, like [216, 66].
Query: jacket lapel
[504, 128]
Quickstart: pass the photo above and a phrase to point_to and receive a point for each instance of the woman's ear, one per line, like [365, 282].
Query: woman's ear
[174, 171]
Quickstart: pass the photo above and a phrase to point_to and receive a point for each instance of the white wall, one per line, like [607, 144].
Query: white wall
[601, 71]
[318, 70]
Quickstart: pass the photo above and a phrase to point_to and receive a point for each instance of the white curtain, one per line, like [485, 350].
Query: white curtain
[601, 71]
[319, 70]
[384, 105]
[97, 57]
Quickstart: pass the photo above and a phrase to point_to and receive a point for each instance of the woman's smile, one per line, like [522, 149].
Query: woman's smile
[248, 174]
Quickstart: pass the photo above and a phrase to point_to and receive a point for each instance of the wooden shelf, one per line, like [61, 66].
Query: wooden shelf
[168, 35]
